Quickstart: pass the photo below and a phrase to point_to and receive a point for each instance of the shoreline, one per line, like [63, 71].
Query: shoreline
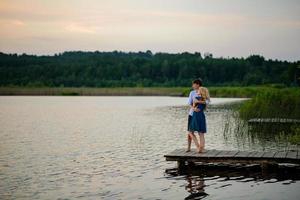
[90, 91]
[222, 91]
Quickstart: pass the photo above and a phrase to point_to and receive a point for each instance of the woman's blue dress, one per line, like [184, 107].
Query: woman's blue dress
[198, 122]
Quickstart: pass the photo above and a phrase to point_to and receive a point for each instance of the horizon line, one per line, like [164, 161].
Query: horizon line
[145, 51]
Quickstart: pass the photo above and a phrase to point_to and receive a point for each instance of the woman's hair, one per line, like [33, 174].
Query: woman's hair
[203, 92]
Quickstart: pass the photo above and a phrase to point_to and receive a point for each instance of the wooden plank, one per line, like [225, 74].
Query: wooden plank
[242, 154]
[251, 153]
[268, 154]
[205, 154]
[280, 154]
[227, 154]
[233, 156]
[291, 155]
[182, 150]
[256, 154]
[183, 153]
[232, 153]
[194, 153]
[209, 153]
[212, 152]
[191, 153]
[221, 154]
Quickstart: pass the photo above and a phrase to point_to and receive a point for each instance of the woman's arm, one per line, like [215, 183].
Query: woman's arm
[202, 102]
[199, 101]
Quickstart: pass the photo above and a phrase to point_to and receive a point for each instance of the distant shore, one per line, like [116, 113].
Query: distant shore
[241, 92]
[89, 91]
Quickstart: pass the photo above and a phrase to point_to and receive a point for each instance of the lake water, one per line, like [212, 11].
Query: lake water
[112, 148]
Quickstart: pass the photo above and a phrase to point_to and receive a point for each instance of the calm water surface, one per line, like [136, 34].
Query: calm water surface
[113, 147]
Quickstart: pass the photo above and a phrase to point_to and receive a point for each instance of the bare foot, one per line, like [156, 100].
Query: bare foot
[201, 150]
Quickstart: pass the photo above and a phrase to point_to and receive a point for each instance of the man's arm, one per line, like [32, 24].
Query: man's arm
[190, 102]
[202, 102]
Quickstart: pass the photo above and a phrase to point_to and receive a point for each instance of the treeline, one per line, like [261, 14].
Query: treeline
[113, 69]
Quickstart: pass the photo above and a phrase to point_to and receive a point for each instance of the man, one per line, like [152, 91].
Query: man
[196, 84]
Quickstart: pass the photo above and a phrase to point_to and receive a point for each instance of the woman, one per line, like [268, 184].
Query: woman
[198, 122]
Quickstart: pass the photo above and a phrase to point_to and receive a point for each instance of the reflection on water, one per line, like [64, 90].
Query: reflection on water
[200, 179]
[111, 148]
[195, 187]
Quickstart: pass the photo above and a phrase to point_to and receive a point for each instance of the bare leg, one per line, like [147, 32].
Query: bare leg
[189, 140]
[193, 136]
[202, 142]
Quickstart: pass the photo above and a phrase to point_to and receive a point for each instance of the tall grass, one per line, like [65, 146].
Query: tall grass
[273, 103]
[240, 92]
[227, 91]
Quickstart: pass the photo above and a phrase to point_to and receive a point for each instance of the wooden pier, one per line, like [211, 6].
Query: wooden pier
[264, 158]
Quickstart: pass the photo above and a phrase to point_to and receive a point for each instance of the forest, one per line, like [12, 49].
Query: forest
[142, 69]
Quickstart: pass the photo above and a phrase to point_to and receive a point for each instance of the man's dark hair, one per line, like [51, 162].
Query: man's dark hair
[197, 81]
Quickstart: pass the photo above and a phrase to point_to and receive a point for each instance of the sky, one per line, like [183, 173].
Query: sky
[225, 28]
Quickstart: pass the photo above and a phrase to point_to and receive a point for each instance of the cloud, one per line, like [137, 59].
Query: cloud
[35, 12]
[17, 22]
[11, 22]
[78, 28]
[169, 25]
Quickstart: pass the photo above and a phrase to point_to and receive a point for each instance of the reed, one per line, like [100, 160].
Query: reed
[273, 103]
[294, 138]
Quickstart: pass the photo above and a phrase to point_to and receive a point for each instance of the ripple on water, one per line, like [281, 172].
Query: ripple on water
[112, 148]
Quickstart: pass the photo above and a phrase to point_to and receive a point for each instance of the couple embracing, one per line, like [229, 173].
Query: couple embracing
[198, 100]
